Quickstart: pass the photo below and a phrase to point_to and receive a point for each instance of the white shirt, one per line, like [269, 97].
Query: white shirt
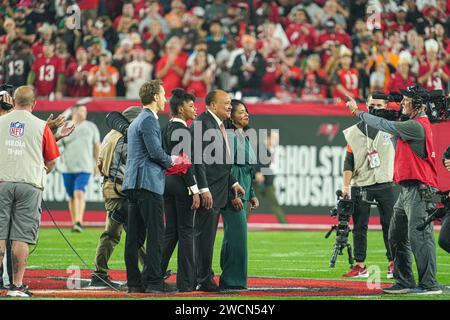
[154, 113]
[174, 119]
[140, 72]
[219, 123]
[192, 189]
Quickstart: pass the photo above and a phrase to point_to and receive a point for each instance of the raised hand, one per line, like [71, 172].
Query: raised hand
[65, 131]
[55, 123]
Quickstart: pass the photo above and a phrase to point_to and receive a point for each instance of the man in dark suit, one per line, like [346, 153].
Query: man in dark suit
[144, 183]
[213, 172]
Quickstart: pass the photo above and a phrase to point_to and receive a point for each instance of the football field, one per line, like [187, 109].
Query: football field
[282, 265]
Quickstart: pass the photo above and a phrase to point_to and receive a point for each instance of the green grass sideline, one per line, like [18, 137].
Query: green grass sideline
[288, 254]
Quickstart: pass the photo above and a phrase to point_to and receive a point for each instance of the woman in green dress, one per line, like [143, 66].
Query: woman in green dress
[233, 257]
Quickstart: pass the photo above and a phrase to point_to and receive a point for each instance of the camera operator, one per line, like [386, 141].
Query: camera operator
[369, 165]
[111, 164]
[28, 153]
[444, 235]
[6, 106]
[414, 171]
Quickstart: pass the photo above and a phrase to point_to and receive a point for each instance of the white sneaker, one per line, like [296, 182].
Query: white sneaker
[19, 292]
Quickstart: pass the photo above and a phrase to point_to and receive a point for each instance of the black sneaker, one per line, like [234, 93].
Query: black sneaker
[136, 290]
[100, 281]
[396, 289]
[232, 289]
[164, 287]
[209, 287]
[422, 291]
[19, 292]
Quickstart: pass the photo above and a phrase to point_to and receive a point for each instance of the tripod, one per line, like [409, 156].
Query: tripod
[342, 232]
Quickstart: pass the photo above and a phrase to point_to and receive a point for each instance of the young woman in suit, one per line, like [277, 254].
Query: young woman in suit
[181, 195]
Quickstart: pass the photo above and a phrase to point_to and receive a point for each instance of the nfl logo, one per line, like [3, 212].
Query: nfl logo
[16, 129]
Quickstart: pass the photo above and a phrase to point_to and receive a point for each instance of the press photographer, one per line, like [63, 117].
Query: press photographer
[414, 168]
[369, 165]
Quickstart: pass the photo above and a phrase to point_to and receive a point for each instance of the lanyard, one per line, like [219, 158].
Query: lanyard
[374, 142]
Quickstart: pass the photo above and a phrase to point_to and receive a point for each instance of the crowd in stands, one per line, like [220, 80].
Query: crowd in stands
[284, 49]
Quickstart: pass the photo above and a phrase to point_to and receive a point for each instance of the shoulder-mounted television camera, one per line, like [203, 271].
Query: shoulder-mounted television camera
[117, 121]
[437, 197]
[436, 104]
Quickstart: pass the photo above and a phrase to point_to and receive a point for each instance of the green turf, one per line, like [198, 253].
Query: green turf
[289, 254]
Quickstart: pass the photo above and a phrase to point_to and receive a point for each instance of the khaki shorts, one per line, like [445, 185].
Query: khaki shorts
[20, 212]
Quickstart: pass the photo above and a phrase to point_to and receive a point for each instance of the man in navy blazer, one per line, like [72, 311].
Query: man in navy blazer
[144, 183]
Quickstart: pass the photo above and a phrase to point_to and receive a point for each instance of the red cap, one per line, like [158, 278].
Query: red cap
[138, 47]
[80, 49]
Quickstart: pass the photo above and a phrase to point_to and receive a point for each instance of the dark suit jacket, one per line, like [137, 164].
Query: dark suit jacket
[215, 176]
[178, 184]
[146, 158]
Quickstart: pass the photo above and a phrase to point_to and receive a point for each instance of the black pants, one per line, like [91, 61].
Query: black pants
[179, 228]
[384, 195]
[145, 215]
[444, 235]
[206, 222]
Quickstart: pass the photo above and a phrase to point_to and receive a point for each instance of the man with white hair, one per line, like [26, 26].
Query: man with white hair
[172, 65]
[433, 73]
[249, 67]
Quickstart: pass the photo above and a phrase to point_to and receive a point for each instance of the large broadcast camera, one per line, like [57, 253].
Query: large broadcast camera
[117, 121]
[436, 102]
[6, 88]
[439, 197]
[343, 211]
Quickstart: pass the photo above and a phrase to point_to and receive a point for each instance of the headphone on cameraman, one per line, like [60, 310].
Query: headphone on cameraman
[417, 92]
[417, 101]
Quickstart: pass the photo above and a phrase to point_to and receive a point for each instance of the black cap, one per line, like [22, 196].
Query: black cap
[330, 23]
[413, 91]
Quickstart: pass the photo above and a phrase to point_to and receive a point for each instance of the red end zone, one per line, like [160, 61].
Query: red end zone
[54, 283]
